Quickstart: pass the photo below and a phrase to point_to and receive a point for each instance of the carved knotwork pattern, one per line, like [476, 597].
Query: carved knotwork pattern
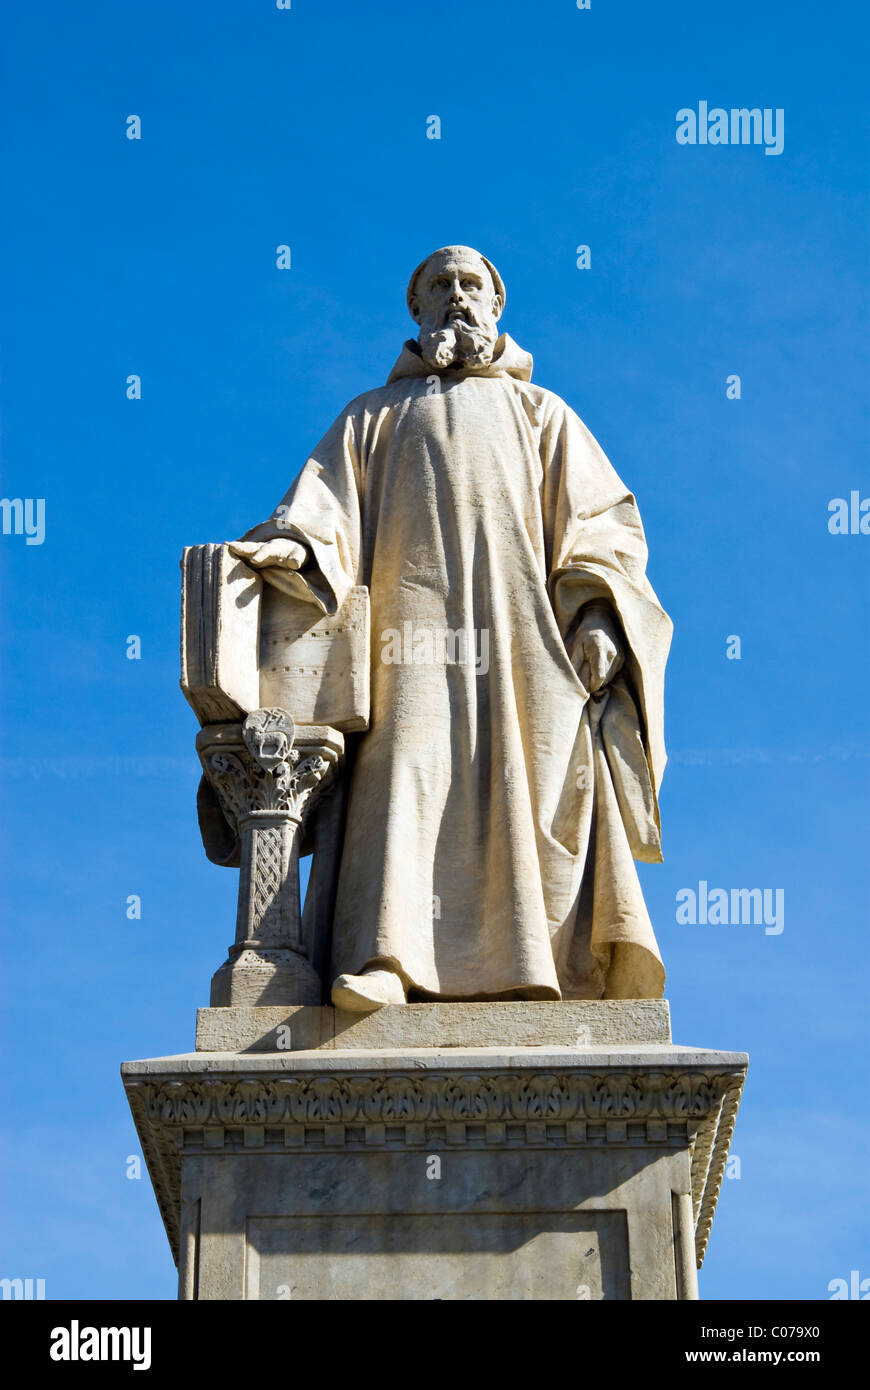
[268, 875]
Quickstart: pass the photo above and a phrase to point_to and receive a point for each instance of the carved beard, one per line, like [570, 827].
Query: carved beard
[458, 342]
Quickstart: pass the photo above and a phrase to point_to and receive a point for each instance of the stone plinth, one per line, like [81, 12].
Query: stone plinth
[579, 1023]
[442, 1171]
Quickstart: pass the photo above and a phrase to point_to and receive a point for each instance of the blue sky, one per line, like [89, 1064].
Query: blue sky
[307, 127]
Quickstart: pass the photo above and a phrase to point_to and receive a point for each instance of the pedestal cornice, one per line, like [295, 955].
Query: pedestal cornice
[645, 1095]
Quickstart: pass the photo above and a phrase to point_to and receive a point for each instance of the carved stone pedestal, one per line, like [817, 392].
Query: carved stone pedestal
[265, 773]
[370, 1171]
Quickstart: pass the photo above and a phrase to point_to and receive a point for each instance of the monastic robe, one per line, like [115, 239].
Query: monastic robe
[495, 808]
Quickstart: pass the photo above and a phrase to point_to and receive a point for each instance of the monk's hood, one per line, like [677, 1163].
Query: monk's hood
[508, 359]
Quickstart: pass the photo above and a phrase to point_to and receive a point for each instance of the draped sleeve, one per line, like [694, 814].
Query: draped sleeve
[596, 549]
[322, 511]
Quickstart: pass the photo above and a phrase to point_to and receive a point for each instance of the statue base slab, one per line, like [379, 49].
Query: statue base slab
[570, 1023]
[507, 1172]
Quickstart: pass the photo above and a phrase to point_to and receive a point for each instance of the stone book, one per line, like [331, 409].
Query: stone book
[220, 624]
[316, 665]
[246, 645]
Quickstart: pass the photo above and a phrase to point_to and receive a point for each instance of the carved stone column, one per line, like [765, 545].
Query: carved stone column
[266, 773]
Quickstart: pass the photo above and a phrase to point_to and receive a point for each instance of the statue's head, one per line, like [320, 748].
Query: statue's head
[457, 297]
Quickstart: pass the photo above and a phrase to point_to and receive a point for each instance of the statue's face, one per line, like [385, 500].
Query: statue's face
[456, 287]
[457, 307]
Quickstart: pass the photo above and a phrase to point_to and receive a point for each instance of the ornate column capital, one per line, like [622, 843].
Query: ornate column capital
[267, 764]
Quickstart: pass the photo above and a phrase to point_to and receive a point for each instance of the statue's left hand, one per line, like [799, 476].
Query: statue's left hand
[597, 650]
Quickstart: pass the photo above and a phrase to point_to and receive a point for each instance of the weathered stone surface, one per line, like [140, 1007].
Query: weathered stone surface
[245, 646]
[264, 774]
[527, 1173]
[277, 1029]
[573, 1023]
[459, 576]
[220, 620]
[314, 664]
[508, 779]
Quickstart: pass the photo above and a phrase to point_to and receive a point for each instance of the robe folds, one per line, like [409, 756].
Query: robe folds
[494, 807]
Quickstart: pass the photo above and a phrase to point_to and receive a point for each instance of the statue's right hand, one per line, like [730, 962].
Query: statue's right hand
[286, 555]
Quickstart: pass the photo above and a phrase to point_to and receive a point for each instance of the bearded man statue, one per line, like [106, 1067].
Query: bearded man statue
[509, 776]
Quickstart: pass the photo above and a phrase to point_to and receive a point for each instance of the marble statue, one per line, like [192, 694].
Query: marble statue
[490, 812]
[438, 670]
